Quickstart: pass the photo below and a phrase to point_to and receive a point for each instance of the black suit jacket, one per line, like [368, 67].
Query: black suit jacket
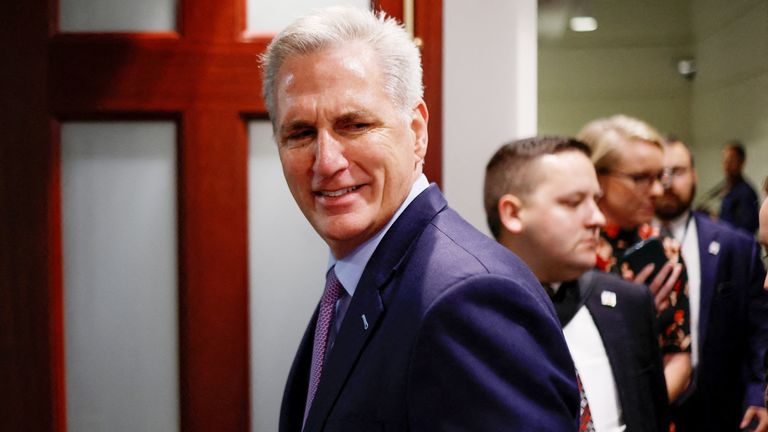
[628, 332]
[733, 331]
[460, 337]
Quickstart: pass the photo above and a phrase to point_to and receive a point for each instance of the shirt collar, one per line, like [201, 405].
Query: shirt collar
[350, 268]
[676, 226]
[555, 287]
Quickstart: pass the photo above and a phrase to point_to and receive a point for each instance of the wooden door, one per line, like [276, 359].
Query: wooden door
[205, 78]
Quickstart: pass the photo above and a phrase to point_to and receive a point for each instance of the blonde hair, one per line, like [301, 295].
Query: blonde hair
[605, 135]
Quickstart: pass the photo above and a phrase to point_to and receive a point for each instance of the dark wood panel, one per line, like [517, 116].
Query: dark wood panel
[429, 28]
[211, 21]
[98, 73]
[393, 8]
[30, 379]
[214, 272]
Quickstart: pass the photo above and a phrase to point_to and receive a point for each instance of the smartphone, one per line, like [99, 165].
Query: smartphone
[649, 251]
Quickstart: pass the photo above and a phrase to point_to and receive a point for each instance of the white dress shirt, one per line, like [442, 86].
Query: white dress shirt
[591, 360]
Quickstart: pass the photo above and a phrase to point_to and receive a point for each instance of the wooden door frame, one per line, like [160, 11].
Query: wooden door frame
[40, 86]
[428, 26]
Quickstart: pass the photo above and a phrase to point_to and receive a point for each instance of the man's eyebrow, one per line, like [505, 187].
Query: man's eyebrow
[353, 115]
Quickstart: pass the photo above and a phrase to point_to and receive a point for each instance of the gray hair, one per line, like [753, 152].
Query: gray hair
[399, 57]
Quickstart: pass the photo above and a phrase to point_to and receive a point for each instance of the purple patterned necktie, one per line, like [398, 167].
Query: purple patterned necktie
[333, 290]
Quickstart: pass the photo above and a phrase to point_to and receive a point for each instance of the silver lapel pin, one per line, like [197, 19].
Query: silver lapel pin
[608, 298]
[714, 248]
[365, 322]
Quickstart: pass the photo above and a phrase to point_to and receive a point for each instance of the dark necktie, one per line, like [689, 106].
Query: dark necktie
[567, 301]
[333, 290]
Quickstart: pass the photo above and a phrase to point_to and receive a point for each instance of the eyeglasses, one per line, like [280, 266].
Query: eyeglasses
[642, 180]
[669, 174]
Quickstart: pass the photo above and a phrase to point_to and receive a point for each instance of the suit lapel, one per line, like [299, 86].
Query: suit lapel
[612, 328]
[295, 395]
[708, 264]
[369, 302]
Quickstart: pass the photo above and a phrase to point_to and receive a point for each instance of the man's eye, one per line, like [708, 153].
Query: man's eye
[573, 202]
[356, 126]
[300, 135]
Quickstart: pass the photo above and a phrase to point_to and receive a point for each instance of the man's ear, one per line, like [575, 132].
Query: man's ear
[510, 207]
[419, 121]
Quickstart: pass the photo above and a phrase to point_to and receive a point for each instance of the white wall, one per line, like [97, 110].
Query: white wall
[730, 93]
[627, 66]
[489, 93]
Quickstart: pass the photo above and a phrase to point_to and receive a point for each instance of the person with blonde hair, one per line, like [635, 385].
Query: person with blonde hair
[628, 157]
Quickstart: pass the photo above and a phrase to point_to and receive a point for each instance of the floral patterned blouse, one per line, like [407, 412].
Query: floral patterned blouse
[673, 322]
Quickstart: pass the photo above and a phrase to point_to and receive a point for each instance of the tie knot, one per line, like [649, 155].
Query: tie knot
[549, 289]
[333, 288]
[665, 231]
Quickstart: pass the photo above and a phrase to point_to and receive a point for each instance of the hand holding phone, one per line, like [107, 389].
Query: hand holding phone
[649, 251]
[650, 266]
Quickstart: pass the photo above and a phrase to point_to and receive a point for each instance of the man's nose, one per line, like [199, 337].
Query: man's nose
[596, 218]
[329, 155]
[657, 188]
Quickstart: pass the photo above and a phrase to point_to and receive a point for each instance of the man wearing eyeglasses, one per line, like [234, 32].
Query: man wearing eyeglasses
[628, 157]
[729, 308]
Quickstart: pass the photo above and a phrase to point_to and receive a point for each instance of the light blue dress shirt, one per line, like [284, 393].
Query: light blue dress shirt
[350, 268]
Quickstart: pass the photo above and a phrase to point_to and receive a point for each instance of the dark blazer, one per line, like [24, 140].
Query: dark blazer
[740, 207]
[460, 337]
[628, 331]
[733, 331]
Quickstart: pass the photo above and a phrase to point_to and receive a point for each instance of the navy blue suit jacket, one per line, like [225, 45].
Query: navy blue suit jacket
[628, 331]
[460, 337]
[733, 330]
[740, 207]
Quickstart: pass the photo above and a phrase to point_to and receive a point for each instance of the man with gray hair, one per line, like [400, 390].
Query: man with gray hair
[425, 323]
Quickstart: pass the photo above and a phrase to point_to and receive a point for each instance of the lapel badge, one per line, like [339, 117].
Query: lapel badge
[608, 298]
[365, 322]
[714, 248]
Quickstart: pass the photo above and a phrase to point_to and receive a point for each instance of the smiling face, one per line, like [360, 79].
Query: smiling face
[349, 155]
[555, 228]
[625, 202]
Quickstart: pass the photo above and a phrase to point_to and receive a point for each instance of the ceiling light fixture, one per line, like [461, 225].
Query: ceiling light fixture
[582, 19]
[583, 24]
